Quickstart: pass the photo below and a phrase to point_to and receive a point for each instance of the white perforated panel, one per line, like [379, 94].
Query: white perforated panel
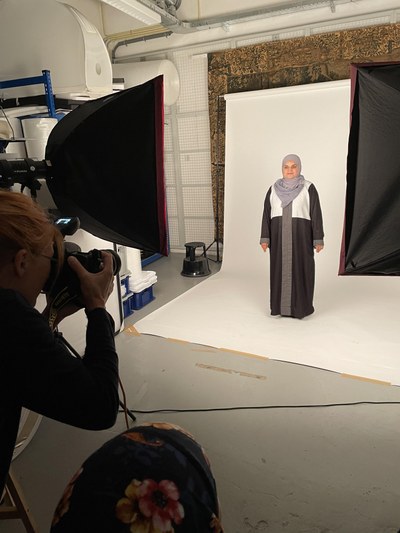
[195, 168]
[197, 202]
[201, 230]
[171, 202]
[173, 232]
[194, 132]
[168, 141]
[169, 169]
[193, 73]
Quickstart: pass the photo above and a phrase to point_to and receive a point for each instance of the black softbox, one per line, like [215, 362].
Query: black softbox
[371, 236]
[106, 160]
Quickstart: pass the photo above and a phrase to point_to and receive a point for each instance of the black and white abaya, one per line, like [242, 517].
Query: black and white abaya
[291, 233]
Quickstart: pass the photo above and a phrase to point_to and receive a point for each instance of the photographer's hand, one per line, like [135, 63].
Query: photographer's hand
[95, 288]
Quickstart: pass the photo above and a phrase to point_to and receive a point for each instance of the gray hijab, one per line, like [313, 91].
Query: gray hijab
[288, 189]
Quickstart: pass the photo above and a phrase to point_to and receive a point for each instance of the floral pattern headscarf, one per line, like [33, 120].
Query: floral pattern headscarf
[154, 478]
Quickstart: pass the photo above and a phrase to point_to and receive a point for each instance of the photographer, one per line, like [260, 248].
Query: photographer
[37, 371]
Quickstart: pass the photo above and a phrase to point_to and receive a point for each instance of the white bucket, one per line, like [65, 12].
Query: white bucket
[36, 132]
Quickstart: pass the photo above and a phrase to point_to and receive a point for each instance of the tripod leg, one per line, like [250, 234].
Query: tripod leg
[18, 507]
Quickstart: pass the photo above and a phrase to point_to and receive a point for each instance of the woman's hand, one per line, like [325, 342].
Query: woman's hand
[264, 246]
[318, 247]
[94, 288]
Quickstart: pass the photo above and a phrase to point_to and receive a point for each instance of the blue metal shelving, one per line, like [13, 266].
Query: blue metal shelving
[44, 79]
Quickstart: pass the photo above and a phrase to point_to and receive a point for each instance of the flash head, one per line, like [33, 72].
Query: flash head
[68, 225]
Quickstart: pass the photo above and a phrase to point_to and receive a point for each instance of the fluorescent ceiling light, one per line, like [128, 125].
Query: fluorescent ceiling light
[136, 10]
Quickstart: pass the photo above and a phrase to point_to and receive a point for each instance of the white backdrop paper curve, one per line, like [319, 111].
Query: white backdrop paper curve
[354, 329]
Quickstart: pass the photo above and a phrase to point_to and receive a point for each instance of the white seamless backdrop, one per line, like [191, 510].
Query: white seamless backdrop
[354, 329]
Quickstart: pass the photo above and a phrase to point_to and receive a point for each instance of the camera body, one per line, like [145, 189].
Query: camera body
[92, 260]
[65, 287]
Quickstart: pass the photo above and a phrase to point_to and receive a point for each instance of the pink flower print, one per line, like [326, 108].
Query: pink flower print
[160, 502]
[150, 507]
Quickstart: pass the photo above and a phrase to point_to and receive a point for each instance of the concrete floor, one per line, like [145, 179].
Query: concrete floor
[303, 470]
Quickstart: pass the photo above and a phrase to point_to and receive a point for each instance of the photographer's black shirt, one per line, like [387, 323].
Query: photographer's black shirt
[39, 373]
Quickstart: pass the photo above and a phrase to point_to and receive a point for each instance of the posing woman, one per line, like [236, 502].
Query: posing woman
[292, 229]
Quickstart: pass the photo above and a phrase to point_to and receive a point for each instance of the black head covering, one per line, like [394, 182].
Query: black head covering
[150, 479]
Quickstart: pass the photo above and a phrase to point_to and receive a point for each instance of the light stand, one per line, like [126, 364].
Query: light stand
[219, 166]
[76, 354]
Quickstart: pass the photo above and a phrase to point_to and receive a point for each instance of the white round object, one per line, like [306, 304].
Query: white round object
[36, 132]
[139, 72]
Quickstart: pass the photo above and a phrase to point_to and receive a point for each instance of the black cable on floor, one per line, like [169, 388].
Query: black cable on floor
[249, 407]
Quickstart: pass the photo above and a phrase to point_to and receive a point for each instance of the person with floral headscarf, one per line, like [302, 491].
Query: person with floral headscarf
[154, 478]
[292, 229]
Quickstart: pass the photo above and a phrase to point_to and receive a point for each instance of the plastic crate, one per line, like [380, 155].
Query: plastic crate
[127, 305]
[140, 299]
[125, 285]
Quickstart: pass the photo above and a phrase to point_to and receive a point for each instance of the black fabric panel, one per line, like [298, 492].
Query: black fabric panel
[104, 167]
[372, 230]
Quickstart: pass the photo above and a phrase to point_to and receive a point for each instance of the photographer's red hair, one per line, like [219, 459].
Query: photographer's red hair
[25, 225]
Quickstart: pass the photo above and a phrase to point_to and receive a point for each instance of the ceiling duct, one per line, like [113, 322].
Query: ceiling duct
[171, 22]
[136, 10]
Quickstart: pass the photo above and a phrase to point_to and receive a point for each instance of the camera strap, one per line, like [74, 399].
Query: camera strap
[59, 301]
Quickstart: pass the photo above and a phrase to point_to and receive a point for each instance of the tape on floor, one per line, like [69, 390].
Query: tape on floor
[368, 380]
[231, 371]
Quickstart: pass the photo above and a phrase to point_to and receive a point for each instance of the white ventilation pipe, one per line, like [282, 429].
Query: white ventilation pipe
[139, 72]
[171, 22]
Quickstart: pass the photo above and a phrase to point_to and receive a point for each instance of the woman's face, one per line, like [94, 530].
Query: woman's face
[290, 170]
[39, 271]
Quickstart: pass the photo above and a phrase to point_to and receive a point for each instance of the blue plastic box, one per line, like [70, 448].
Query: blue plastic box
[139, 299]
[127, 306]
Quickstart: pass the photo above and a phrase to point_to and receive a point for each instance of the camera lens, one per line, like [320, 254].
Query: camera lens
[116, 261]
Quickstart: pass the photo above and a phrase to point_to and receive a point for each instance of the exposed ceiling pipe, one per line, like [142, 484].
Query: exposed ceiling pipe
[144, 32]
[171, 22]
[137, 40]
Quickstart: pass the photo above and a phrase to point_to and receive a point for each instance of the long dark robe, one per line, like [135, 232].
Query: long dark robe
[292, 233]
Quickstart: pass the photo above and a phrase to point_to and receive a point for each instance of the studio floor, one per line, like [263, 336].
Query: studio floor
[282, 466]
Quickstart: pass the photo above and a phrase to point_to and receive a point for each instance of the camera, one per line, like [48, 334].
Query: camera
[92, 260]
[64, 287]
